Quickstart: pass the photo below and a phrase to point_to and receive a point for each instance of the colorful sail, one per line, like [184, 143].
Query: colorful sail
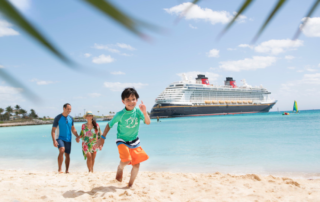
[295, 107]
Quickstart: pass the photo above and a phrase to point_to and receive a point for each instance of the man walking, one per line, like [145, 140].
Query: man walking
[62, 127]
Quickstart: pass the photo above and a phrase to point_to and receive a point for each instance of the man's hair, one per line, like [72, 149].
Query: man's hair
[128, 92]
[65, 105]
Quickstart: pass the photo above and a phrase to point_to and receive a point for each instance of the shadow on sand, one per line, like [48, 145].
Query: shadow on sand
[74, 193]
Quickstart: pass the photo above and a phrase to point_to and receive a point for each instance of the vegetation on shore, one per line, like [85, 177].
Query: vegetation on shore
[16, 113]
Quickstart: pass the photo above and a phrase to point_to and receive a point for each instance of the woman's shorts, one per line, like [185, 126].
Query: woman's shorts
[135, 156]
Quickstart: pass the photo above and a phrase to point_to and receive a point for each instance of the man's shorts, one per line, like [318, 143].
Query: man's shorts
[66, 145]
[136, 155]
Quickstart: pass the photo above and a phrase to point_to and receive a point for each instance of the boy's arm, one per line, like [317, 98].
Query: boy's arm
[143, 109]
[100, 142]
[75, 133]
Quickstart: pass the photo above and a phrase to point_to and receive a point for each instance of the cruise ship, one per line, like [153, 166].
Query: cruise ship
[200, 98]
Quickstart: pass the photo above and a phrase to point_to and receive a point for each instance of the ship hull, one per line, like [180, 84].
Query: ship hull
[171, 110]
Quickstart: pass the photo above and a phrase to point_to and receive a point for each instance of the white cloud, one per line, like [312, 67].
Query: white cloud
[102, 59]
[213, 53]
[193, 75]
[196, 12]
[289, 57]
[319, 65]
[105, 47]
[312, 27]
[117, 86]
[192, 27]
[256, 62]
[87, 55]
[311, 70]
[278, 46]
[311, 78]
[231, 49]
[292, 68]
[6, 30]
[300, 70]
[21, 4]
[94, 95]
[9, 94]
[1, 66]
[41, 82]
[125, 46]
[117, 73]
[245, 46]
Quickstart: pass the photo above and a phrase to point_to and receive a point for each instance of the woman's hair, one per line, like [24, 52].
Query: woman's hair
[94, 123]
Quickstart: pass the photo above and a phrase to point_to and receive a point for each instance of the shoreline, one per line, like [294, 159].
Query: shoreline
[153, 186]
[33, 123]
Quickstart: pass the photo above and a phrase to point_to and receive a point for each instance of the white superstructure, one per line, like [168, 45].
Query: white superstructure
[188, 92]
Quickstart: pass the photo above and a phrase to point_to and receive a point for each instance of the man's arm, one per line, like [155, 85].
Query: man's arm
[53, 135]
[75, 133]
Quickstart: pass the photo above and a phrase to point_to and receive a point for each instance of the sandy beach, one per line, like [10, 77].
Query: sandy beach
[153, 186]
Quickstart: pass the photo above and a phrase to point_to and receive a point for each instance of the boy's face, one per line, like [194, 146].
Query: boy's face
[130, 102]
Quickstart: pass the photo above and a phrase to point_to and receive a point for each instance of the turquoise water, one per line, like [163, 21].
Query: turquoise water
[266, 143]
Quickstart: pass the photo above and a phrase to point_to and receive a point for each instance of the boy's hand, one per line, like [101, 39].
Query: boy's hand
[143, 107]
[99, 144]
[78, 139]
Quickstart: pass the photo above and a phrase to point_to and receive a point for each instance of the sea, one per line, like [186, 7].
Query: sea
[261, 143]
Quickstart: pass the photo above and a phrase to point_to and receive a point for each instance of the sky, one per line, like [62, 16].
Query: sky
[114, 58]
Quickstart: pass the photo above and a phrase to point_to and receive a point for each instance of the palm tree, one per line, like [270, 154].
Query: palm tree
[110, 112]
[9, 110]
[23, 112]
[1, 110]
[33, 114]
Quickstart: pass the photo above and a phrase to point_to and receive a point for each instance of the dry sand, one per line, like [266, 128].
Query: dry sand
[20, 186]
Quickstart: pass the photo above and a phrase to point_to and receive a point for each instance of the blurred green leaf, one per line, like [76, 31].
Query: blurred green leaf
[14, 15]
[244, 6]
[15, 83]
[110, 10]
[271, 15]
[312, 9]
[186, 11]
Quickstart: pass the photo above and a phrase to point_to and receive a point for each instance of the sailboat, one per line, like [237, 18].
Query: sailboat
[295, 107]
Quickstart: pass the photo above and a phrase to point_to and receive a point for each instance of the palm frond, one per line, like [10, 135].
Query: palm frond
[312, 9]
[15, 83]
[14, 15]
[271, 15]
[117, 15]
[244, 6]
[186, 11]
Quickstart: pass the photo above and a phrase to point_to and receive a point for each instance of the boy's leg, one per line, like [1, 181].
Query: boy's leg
[134, 173]
[125, 160]
[120, 170]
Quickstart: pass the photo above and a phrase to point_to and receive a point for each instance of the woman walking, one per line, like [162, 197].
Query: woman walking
[90, 134]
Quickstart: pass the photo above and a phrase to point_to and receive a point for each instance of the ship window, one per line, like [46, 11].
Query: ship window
[179, 84]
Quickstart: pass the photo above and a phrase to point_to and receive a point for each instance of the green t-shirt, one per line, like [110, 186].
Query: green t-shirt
[128, 123]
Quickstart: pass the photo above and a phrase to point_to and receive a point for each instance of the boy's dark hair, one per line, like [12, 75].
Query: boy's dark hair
[129, 91]
[65, 105]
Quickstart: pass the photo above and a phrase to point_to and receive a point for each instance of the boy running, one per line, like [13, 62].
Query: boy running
[128, 141]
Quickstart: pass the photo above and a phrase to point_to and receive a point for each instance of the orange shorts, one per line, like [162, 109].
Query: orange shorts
[136, 155]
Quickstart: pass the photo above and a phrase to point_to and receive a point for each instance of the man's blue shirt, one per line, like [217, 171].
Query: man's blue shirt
[63, 125]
